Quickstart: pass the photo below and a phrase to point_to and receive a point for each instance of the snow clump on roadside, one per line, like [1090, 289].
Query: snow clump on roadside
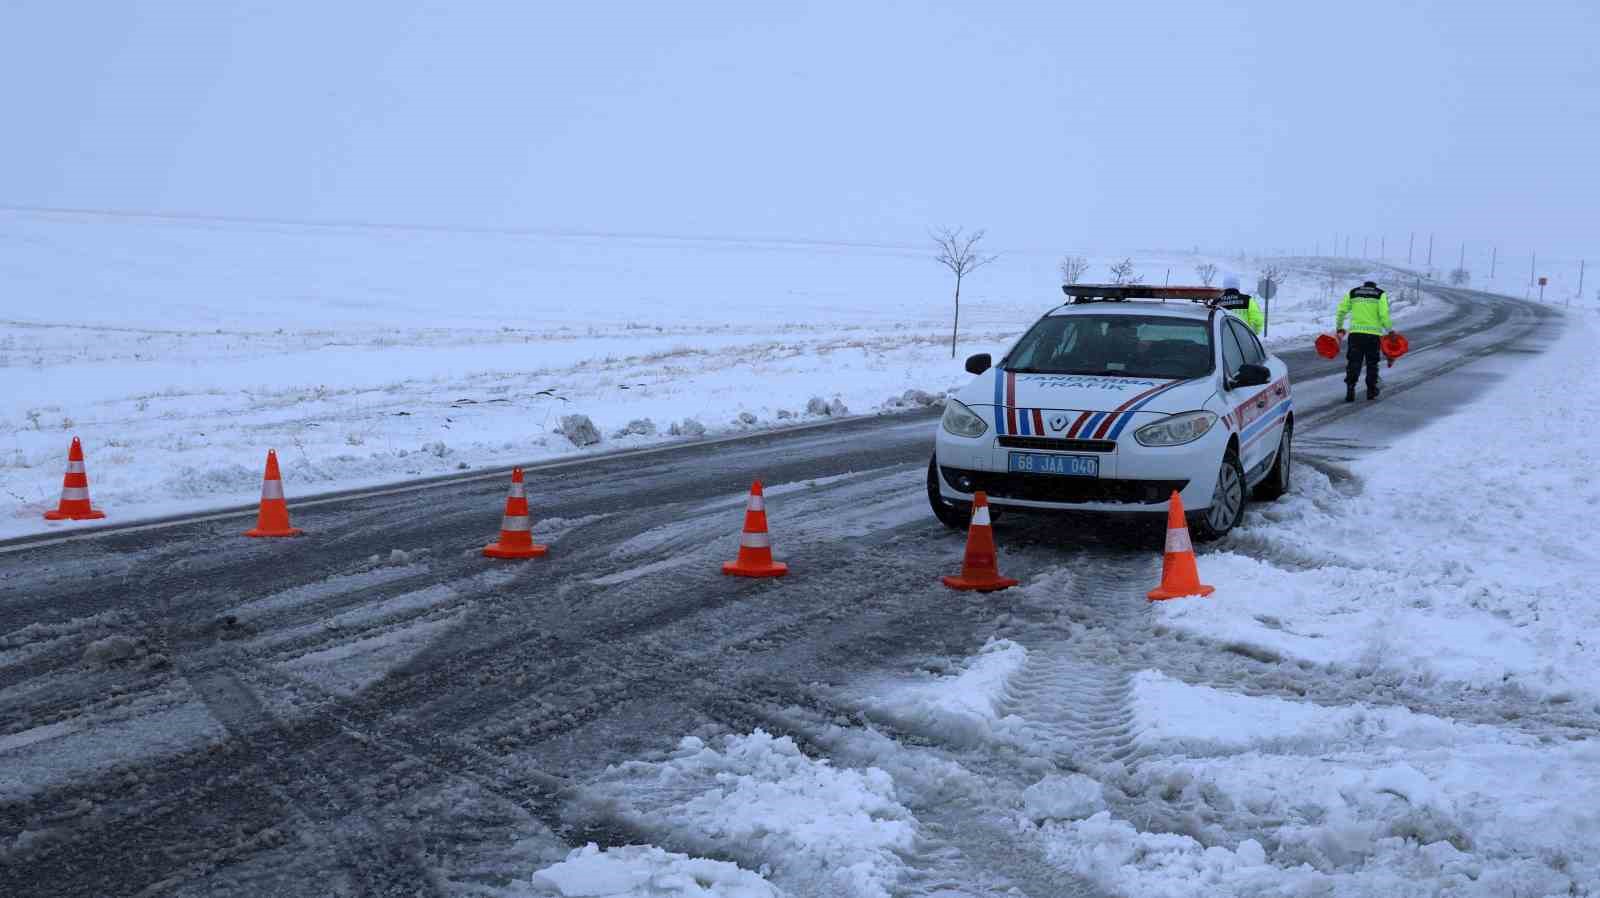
[688, 427]
[761, 801]
[962, 709]
[645, 871]
[580, 430]
[1072, 797]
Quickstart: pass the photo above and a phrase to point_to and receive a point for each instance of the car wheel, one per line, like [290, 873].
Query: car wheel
[1276, 483]
[954, 516]
[1227, 501]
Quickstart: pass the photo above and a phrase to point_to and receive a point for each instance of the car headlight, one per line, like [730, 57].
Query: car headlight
[1176, 430]
[963, 421]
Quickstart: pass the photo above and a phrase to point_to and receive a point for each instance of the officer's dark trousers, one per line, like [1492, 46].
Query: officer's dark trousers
[1363, 348]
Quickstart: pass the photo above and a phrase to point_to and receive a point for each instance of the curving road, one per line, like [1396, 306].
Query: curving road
[376, 710]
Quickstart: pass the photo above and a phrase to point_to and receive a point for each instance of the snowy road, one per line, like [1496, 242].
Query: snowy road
[374, 710]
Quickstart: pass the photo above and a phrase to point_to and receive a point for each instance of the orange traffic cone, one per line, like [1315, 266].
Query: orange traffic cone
[273, 519]
[1328, 345]
[516, 529]
[980, 568]
[1179, 576]
[75, 491]
[755, 544]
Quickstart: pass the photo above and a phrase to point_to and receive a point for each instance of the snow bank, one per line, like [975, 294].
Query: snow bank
[961, 708]
[759, 800]
[1466, 558]
[641, 871]
[1348, 800]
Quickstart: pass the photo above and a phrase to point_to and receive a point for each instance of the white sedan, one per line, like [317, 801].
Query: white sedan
[1111, 403]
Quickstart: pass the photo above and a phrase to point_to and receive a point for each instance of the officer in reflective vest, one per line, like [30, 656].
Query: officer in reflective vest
[1252, 312]
[1367, 308]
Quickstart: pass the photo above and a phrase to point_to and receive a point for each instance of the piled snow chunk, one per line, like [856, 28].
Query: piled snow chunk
[822, 408]
[747, 419]
[111, 650]
[580, 430]
[915, 399]
[688, 427]
[964, 708]
[758, 799]
[1072, 797]
[644, 871]
[643, 427]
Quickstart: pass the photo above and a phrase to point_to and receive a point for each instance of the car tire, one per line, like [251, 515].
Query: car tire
[950, 514]
[1277, 482]
[1227, 502]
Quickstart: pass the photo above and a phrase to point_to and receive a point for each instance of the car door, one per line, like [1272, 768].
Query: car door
[1256, 417]
[1237, 399]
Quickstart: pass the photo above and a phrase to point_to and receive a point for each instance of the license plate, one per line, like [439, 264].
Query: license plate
[1063, 465]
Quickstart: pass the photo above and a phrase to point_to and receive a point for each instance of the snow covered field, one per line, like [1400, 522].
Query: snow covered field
[181, 351]
[1409, 710]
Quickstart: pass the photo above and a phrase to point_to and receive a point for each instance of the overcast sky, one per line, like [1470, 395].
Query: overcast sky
[1096, 126]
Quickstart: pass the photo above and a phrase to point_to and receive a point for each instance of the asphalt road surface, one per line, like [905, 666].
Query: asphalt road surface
[374, 709]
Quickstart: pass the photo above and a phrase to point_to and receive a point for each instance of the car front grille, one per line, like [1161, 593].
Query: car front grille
[1055, 445]
[1052, 488]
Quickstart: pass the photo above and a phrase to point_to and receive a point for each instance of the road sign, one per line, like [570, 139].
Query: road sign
[1266, 288]
[1543, 281]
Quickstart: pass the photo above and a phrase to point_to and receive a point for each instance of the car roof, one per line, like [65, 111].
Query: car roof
[1171, 309]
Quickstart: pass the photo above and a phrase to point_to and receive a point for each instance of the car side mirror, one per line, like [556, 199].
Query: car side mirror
[1253, 376]
[977, 364]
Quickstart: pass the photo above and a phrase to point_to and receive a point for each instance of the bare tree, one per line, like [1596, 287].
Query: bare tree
[1460, 277]
[1274, 272]
[960, 254]
[1073, 269]
[1207, 272]
[1123, 273]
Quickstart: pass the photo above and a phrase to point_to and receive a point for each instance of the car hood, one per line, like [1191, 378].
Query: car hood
[1080, 393]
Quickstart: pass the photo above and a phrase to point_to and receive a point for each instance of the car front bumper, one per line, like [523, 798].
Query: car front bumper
[1133, 478]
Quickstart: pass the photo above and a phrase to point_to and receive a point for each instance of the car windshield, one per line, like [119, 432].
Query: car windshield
[1115, 345]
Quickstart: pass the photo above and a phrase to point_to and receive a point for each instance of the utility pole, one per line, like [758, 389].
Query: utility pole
[1533, 264]
[1430, 252]
[1411, 247]
[1347, 246]
[1383, 247]
[1494, 256]
[1364, 241]
[1463, 263]
[1581, 264]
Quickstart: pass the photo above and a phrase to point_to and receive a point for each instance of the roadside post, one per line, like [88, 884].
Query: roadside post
[1266, 288]
[1542, 282]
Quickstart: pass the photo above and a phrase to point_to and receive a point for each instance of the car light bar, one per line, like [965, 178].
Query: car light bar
[1083, 293]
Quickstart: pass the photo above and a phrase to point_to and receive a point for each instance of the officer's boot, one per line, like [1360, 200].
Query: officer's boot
[1349, 392]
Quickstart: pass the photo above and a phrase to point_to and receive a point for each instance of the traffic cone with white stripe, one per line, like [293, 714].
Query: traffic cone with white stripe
[980, 567]
[755, 544]
[273, 519]
[516, 528]
[75, 491]
[1179, 575]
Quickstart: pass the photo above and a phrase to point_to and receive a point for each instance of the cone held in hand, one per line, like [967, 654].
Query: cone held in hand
[980, 567]
[1179, 574]
[516, 528]
[75, 491]
[273, 519]
[755, 544]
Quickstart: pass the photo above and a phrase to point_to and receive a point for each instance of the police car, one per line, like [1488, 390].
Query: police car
[1115, 400]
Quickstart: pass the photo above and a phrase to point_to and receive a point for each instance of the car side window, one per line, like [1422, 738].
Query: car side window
[1253, 353]
[1232, 352]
